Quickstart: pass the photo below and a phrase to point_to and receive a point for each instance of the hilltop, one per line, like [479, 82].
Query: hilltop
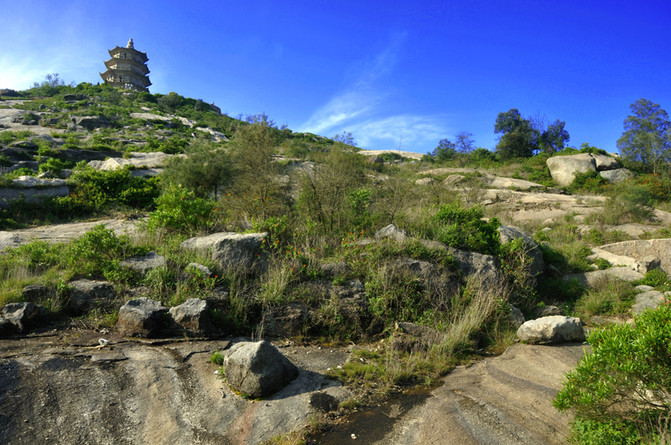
[391, 267]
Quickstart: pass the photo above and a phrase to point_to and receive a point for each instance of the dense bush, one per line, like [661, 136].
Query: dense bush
[179, 210]
[465, 229]
[589, 181]
[98, 252]
[620, 391]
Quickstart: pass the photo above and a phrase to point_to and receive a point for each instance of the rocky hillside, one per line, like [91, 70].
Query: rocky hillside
[148, 239]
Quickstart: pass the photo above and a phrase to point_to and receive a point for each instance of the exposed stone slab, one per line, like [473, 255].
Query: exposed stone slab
[639, 250]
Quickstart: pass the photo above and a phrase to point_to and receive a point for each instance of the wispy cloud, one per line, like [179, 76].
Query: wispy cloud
[400, 132]
[360, 108]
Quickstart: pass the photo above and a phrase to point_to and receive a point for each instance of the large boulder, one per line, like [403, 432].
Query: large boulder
[552, 329]
[21, 315]
[91, 122]
[648, 300]
[616, 176]
[258, 369]
[604, 162]
[510, 233]
[478, 266]
[142, 317]
[86, 295]
[232, 250]
[193, 317]
[564, 168]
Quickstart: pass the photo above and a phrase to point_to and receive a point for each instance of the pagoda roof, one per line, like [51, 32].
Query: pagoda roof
[120, 49]
[143, 80]
[141, 66]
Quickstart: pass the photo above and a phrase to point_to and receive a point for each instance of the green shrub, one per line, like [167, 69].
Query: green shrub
[465, 229]
[94, 191]
[628, 203]
[516, 267]
[99, 251]
[179, 210]
[656, 278]
[620, 391]
[610, 296]
[589, 181]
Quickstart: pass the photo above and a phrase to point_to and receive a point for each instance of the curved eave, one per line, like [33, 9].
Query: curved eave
[139, 65]
[118, 49]
[141, 79]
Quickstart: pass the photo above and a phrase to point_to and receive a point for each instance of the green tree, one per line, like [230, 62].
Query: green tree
[621, 391]
[205, 170]
[445, 150]
[646, 140]
[519, 138]
[258, 191]
[554, 137]
[332, 194]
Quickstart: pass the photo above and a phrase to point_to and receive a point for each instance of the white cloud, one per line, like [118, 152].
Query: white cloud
[404, 132]
[360, 109]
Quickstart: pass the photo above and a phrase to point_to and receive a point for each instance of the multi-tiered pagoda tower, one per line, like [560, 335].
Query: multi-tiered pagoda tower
[127, 68]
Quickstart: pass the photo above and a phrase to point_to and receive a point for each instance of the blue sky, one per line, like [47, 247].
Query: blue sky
[396, 74]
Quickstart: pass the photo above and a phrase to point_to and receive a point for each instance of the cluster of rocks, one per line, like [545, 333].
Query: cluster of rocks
[144, 317]
[563, 169]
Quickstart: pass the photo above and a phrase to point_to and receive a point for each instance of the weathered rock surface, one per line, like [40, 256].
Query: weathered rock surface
[616, 176]
[590, 279]
[604, 162]
[142, 317]
[547, 311]
[564, 168]
[286, 321]
[193, 317]
[505, 400]
[507, 183]
[86, 295]
[258, 369]
[59, 389]
[648, 300]
[640, 251]
[553, 329]
[58, 233]
[21, 315]
[510, 233]
[144, 263]
[232, 250]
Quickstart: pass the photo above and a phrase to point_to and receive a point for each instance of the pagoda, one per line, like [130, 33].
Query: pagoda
[127, 68]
